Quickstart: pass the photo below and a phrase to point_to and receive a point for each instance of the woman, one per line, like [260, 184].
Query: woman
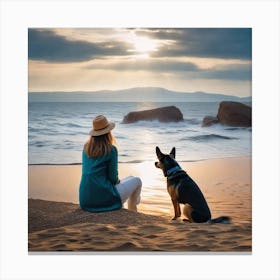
[100, 187]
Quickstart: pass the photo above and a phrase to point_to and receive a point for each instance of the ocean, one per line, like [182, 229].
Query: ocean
[57, 132]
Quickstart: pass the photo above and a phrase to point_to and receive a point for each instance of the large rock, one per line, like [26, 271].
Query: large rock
[235, 114]
[232, 114]
[163, 114]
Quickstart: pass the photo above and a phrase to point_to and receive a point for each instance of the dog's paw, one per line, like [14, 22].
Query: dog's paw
[186, 221]
[174, 218]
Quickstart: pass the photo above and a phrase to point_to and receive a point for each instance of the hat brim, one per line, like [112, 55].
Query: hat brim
[103, 131]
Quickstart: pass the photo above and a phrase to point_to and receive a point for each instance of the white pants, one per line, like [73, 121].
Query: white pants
[129, 189]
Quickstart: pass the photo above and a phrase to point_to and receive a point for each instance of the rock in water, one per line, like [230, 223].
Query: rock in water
[234, 114]
[163, 114]
[209, 120]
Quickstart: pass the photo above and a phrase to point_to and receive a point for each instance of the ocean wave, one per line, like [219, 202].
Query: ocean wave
[32, 129]
[208, 137]
[47, 115]
[38, 144]
[73, 133]
[123, 155]
[154, 123]
[238, 128]
[120, 137]
[193, 121]
[72, 125]
[176, 131]
[73, 163]
[132, 161]
[42, 130]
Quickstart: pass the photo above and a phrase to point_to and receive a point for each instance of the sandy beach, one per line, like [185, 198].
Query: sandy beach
[56, 223]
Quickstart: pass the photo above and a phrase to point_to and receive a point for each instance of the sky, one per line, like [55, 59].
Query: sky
[213, 60]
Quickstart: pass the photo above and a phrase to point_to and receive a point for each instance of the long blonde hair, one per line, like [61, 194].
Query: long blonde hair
[98, 146]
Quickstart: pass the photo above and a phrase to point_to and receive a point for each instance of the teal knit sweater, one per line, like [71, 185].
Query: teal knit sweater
[97, 192]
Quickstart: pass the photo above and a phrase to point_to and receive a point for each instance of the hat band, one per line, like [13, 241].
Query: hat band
[102, 127]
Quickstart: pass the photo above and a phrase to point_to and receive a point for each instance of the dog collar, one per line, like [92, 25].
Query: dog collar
[172, 170]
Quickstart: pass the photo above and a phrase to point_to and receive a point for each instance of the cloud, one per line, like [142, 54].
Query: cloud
[230, 72]
[190, 70]
[46, 45]
[145, 65]
[227, 43]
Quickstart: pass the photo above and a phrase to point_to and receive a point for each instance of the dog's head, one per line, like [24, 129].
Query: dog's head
[166, 161]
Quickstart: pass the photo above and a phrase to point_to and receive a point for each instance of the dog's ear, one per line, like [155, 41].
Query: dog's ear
[160, 155]
[173, 152]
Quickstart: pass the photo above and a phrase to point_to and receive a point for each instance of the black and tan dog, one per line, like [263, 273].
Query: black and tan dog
[182, 189]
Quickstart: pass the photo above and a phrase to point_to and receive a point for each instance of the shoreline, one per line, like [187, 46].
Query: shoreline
[141, 161]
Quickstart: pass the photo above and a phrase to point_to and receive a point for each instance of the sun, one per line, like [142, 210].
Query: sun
[144, 44]
[141, 46]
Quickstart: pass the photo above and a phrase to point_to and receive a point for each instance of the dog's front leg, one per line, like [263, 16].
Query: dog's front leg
[177, 209]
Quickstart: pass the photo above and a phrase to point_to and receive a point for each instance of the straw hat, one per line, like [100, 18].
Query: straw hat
[101, 126]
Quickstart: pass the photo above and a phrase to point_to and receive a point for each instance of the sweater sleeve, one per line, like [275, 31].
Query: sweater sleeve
[113, 166]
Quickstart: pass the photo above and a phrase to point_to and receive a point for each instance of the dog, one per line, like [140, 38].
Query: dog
[182, 189]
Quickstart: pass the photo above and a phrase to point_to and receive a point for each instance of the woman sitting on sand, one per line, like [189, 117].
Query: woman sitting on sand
[100, 187]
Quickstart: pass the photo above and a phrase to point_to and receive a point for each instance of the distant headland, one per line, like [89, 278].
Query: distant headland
[138, 94]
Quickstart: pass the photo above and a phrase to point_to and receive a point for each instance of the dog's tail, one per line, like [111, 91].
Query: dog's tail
[220, 220]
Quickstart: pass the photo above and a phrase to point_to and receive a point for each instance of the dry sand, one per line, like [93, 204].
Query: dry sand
[63, 226]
